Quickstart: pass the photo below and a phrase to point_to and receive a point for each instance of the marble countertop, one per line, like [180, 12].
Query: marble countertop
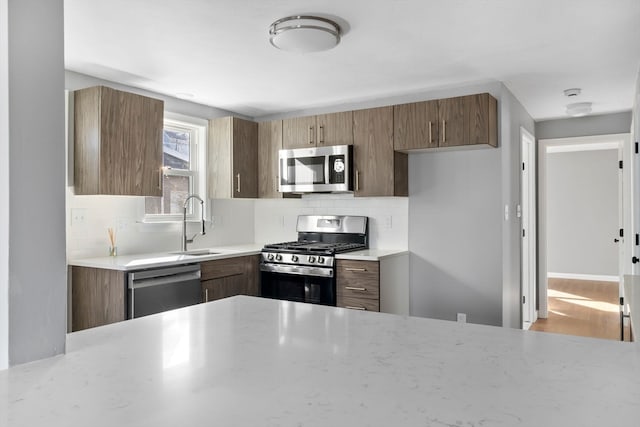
[632, 300]
[247, 361]
[372, 254]
[164, 259]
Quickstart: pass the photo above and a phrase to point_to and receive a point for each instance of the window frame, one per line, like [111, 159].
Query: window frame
[198, 129]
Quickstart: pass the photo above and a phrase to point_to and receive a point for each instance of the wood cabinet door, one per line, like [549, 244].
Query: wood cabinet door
[131, 144]
[269, 143]
[245, 159]
[415, 125]
[482, 121]
[373, 152]
[335, 129]
[98, 297]
[215, 289]
[452, 115]
[299, 132]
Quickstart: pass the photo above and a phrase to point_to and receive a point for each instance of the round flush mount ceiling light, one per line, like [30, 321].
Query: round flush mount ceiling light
[579, 109]
[572, 92]
[304, 33]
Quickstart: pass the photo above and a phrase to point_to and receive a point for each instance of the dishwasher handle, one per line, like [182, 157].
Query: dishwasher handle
[146, 278]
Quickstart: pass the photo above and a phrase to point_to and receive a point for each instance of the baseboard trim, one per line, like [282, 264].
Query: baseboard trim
[575, 276]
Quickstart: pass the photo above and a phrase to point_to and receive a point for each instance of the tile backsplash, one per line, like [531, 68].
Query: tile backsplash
[275, 219]
[229, 222]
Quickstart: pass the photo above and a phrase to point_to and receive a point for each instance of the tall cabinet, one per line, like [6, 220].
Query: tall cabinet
[379, 170]
[232, 158]
[117, 143]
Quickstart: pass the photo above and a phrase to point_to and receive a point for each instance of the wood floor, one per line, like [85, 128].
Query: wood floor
[582, 307]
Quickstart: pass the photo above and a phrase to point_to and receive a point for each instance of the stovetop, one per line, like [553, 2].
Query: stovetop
[314, 247]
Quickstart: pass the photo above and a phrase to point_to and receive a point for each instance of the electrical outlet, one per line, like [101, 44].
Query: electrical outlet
[123, 223]
[388, 222]
[461, 317]
[78, 216]
[216, 221]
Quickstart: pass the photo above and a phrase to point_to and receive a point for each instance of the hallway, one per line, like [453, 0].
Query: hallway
[582, 307]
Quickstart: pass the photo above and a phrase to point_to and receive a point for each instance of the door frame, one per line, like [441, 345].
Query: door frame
[581, 143]
[528, 240]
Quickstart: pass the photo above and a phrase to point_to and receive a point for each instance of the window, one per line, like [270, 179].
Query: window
[183, 172]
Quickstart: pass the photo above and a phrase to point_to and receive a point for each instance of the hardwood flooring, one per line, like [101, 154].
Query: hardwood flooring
[582, 307]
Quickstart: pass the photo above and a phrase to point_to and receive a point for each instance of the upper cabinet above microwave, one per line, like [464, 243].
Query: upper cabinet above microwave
[117, 143]
[318, 131]
[450, 122]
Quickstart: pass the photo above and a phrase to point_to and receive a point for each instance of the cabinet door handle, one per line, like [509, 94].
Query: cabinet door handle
[238, 178]
[357, 180]
[355, 269]
[353, 307]
[160, 173]
[206, 295]
[444, 131]
[276, 186]
[321, 141]
[310, 134]
[430, 132]
[353, 288]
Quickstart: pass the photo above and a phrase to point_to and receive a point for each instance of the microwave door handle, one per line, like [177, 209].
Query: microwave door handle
[327, 179]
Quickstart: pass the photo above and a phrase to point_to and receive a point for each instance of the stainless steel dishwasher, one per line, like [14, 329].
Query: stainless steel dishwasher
[162, 289]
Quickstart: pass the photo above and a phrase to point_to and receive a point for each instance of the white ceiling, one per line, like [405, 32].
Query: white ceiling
[219, 51]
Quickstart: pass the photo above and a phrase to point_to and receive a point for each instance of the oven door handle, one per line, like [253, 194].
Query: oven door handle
[297, 270]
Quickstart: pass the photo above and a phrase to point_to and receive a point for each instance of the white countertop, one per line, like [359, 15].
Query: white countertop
[632, 300]
[164, 259]
[372, 254]
[247, 361]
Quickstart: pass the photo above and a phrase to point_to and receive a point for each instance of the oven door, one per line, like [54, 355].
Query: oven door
[292, 283]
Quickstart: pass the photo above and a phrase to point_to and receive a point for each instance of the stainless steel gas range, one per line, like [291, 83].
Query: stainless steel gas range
[303, 270]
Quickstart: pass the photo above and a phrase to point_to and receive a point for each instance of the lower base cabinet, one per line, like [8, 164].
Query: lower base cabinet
[98, 297]
[228, 277]
[374, 285]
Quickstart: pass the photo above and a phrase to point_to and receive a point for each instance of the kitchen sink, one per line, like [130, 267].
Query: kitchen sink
[196, 252]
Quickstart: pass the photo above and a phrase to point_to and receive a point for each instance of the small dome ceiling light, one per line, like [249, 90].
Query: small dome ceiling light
[579, 109]
[304, 33]
[572, 92]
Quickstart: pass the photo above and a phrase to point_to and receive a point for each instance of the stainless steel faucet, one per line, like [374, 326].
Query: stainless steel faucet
[185, 240]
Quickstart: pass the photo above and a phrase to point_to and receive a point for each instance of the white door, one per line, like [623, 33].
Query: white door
[528, 221]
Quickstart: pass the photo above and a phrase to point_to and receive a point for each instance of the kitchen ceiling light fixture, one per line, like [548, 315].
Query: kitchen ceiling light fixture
[304, 34]
[572, 92]
[579, 109]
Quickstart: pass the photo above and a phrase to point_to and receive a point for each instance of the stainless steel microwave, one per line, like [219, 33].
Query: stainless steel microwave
[317, 169]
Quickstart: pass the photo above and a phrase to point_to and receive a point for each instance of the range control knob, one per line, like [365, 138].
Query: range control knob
[294, 258]
[270, 257]
[311, 259]
[278, 257]
[320, 260]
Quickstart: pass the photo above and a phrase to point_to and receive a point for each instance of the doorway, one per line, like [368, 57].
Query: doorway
[584, 210]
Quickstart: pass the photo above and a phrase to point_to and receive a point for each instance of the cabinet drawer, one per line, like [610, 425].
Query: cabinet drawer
[223, 268]
[364, 304]
[358, 274]
[369, 290]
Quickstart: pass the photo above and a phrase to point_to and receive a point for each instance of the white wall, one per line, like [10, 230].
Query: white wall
[582, 212]
[275, 219]
[605, 124]
[36, 266]
[4, 186]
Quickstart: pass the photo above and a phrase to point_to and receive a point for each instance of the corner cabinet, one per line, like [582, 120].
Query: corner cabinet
[451, 122]
[117, 143]
[318, 131]
[229, 277]
[379, 170]
[232, 158]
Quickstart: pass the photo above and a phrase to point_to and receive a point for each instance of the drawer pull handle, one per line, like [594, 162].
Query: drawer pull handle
[353, 288]
[355, 308]
[355, 269]
[206, 295]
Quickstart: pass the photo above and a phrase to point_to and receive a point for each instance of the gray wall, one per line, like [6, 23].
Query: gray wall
[582, 212]
[455, 235]
[605, 124]
[4, 186]
[37, 267]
